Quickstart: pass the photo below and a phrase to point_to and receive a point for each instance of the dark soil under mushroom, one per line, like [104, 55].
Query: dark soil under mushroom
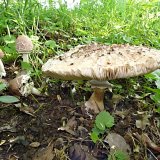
[50, 114]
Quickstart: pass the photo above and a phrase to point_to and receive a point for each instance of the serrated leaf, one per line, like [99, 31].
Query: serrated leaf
[8, 99]
[103, 120]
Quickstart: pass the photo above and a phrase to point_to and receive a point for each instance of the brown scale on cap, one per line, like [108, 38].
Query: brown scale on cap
[102, 62]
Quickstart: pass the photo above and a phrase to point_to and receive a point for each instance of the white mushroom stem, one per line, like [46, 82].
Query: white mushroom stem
[29, 88]
[2, 70]
[25, 57]
[21, 85]
[95, 102]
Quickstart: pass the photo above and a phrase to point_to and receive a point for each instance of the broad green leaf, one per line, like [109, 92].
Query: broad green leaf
[26, 66]
[9, 39]
[50, 44]
[8, 99]
[104, 120]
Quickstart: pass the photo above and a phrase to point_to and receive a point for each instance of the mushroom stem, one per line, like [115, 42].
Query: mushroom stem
[95, 102]
[2, 70]
[35, 91]
[25, 57]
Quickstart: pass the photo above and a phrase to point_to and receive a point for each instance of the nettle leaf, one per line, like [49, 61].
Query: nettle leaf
[8, 99]
[104, 120]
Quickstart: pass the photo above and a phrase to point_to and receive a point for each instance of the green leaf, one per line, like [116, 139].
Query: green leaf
[158, 83]
[3, 86]
[97, 130]
[103, 120]
[51, 44]
[26, 66]
[9, 39]
[121, 155]
[94, 137]
[8, 99]
[156, 98]
[118, 155]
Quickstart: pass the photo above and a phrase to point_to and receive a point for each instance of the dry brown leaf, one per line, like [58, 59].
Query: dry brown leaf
[117, 142]
[147, 141]
[34, 144]
[80, 152]
[143, 122]
[45, 153]
[70, 126]
[25, 108]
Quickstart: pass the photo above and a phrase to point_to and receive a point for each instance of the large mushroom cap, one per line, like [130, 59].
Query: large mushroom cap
[102, 62]
[24, 44]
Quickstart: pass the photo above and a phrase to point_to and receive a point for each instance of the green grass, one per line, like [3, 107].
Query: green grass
[57, 30]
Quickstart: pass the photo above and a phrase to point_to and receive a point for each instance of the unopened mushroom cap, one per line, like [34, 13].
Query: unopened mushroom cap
[24, 44]
[103, 62]
[1, 54]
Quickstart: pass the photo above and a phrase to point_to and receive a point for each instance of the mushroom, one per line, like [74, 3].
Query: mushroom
[99, 63]
[21, 85]
[24, 46]
[2, 70]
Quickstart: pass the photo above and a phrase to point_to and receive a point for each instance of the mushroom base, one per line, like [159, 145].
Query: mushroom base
[95, 102]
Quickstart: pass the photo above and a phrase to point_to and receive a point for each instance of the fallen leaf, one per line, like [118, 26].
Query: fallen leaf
[117, 142]
[45, 153]
[9, 126]
[25, 108]
[19, 140]
[2, 142]
[122, 113]
[80, 152]
[144, 121]
[34, 144]
[70, 126]
[147, 141]
[13, 157]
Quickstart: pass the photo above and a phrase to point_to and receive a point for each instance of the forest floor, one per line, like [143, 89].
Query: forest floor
[53, 127]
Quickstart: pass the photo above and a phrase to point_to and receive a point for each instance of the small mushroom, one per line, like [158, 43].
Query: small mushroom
[99, 63]
[21, 85]
[2, 70]
[24, 46]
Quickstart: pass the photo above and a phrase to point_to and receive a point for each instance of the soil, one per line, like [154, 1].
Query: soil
[35, 130]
